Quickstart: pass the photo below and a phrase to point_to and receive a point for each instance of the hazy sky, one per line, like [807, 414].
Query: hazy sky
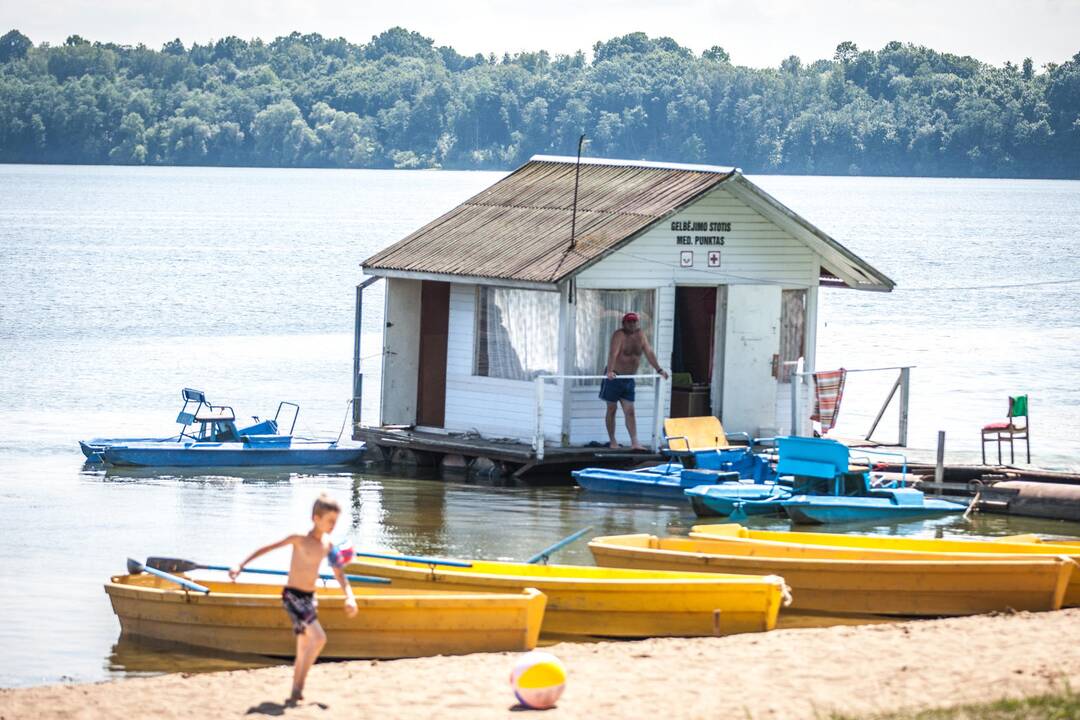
[755, 32]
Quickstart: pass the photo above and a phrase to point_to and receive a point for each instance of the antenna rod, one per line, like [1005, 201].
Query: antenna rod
[577, 173]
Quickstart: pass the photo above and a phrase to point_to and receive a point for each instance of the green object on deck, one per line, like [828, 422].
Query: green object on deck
[1018, 406]
[681, 379]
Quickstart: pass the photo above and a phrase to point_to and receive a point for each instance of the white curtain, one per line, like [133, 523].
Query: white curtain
[517, 333]
[599, 314]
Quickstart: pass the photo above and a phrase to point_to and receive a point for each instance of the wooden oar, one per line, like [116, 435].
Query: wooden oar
[546, 552]
[134, 567]
[178, 565]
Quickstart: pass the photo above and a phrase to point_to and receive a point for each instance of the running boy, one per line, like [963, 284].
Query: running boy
[299, 593]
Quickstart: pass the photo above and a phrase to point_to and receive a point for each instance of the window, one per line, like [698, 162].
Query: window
[598, 315]
[792, 331]
[517, 333]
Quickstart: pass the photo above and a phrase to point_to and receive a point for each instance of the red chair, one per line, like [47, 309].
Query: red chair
[1009, 431]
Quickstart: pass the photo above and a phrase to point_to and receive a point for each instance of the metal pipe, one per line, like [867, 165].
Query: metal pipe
[939, 468]
[577, 173]
[358, 376]
[905, 388]
[884, 405]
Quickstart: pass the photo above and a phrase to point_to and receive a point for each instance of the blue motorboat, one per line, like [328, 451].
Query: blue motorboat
[195, 406]
[883, 504]
[210, 438]
[660, 481]
[830, 490]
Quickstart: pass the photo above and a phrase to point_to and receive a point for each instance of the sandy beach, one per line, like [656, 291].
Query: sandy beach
[798, 673]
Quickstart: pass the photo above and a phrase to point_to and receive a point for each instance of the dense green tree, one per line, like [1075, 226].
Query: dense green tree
[399, 101]
[14, 46]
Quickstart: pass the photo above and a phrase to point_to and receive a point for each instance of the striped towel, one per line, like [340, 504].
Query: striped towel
[828, 391]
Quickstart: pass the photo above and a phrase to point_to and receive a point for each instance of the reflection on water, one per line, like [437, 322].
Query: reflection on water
[133, 656]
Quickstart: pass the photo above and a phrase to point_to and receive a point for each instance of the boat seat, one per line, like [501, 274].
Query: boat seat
[693, 434]
[215, 414]
[812, 457]
[702, 442]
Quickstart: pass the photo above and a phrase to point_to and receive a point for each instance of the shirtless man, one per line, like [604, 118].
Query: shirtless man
[624, 356]
[298, 597]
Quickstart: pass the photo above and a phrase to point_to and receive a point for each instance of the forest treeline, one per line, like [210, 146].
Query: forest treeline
[399, 101]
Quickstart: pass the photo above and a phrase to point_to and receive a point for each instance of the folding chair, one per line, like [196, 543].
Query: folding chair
[1009, 431]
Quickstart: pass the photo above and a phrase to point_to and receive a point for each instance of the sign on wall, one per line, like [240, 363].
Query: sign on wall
[686, 258]
[700, 232]
[714, 258]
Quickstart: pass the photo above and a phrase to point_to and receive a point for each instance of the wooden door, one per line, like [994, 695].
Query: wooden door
[434, 329]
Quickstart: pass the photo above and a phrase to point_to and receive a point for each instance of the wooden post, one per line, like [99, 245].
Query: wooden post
[795, 378]
[658, 414]
[567, 351]
[538, 441]
[939, 469]
[905, 394]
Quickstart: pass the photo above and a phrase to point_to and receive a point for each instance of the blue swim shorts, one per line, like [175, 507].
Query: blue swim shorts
[617, 389]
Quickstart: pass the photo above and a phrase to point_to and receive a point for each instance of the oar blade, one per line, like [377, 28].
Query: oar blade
[172, 565]
[134, 567]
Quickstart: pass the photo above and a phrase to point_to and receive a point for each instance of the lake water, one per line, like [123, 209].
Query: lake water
[119, 286]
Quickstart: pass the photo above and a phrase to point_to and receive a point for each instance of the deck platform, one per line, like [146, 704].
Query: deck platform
[456, 451]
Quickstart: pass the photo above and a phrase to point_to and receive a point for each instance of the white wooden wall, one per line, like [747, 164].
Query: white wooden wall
[757, 260]
[494, 407]
[754, 251]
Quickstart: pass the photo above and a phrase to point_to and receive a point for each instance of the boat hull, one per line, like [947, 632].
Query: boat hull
[591, 601]
[842, 586]
[650, 484]
[881, 547]
[93, 449]
[721, 500]
[229, 455]
[249, 619]
[824, 509]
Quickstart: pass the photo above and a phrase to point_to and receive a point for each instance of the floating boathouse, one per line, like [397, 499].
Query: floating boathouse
[499, 313]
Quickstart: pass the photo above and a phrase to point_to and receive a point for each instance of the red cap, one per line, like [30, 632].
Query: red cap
[630, 317]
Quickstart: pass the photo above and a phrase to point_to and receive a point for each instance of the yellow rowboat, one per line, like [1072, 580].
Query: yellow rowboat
[912, 587]
[602, 602]
[880, 547]
[391, 623]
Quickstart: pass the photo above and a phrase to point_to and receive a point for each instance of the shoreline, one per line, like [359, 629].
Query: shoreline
[796, 673]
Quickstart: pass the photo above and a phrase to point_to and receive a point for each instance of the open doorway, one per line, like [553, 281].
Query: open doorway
[434, 333]
[693, 351]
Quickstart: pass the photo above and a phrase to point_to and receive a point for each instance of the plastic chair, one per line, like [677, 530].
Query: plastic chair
[1009, 431]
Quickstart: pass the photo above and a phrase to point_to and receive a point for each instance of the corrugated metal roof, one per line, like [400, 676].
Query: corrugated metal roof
[519, 228]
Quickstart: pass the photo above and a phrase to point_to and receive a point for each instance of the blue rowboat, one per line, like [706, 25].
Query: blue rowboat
[723, 499]
[253, 451]
[885, 504]
[647, 482]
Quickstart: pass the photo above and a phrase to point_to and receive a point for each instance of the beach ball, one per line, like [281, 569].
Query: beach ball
[342, 555]
[538, 679]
